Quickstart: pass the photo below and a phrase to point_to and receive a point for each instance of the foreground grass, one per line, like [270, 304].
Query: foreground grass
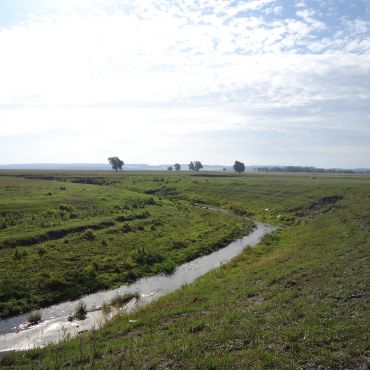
[298, 300]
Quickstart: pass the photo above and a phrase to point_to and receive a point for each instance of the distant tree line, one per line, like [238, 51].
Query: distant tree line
[176, 166]
[300, 169]
[117, 164]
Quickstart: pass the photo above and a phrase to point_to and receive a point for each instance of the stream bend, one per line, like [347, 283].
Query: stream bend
[55, 326]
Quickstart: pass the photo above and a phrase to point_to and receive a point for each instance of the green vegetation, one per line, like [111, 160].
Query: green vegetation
[80, 312]
[195, 166]
[298, 300]
[177, 167]
[92, 234]
[106, 308]
[116, 163]
[239, 166]
[120, 300]
[34, 318]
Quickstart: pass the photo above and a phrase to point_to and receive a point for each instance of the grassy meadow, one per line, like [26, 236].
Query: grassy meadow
[62, 239]
[299, 300]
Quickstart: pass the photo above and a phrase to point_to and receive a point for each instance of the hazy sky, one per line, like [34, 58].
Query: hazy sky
[277, 82]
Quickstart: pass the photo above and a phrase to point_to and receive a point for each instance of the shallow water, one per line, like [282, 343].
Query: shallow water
[149, 288]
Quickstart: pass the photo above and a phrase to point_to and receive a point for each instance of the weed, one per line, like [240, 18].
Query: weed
[106, 308]
[120, 300]
[34, 318]
[80, 311]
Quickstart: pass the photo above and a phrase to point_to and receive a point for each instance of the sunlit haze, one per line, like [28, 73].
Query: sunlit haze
[268, 82]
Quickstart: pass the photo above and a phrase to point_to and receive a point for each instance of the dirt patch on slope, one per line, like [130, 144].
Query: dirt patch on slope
[322, 205]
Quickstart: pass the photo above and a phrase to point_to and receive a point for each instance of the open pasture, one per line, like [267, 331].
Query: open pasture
[300, 299]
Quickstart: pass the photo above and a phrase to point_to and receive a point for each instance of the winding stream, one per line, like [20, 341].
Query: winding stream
[55, 326]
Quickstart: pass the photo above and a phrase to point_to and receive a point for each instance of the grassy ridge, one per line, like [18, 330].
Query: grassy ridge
[298, 300]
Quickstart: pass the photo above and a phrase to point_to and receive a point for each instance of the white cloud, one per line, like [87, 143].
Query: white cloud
[308, 16]
[162, 71]
[300, 4]
[141, 135]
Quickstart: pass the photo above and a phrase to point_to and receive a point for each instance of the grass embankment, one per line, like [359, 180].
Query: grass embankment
[60, 240]
[298, 300]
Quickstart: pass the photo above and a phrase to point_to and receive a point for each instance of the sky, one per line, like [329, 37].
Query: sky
[266, 82]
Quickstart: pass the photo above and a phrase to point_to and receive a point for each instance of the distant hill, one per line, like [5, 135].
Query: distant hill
[56, 166]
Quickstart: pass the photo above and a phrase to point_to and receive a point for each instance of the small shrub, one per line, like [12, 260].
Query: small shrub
[271, 238]
[8, 360]
[95, 265]
[34, 318]
[179, 244]
[126, 228]
[65, 207]
[89, 235]
[41, 251]
[167, 267]
[145, 214]
[80, 311]
[49, 213]
[129, 276]
[197, 327]
[55, 284]
[33, 354]
[129, 263]
[144, 257]
[18, 255]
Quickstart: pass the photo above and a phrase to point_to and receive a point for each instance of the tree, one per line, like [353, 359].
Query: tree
[177, 167]
[170, 168]
[197, 165]
[116, 163]
[239, 166]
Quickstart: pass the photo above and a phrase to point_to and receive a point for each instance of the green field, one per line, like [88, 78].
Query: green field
[299, 300]
[62, 239]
